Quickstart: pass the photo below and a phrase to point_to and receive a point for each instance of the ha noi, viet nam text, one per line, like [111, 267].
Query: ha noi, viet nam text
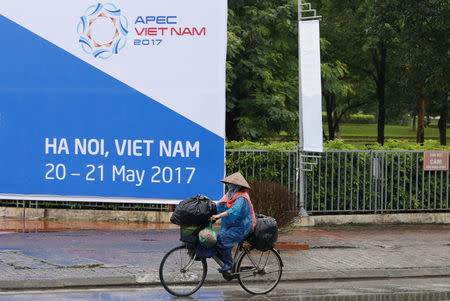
[63, 170]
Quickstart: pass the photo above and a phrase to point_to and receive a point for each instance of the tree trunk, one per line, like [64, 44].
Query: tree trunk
[414, 124]
[421, 117]
[232, 133]
[330, 109]
[379, 61]
[338, 131]
[381, 120]
[325, 138]
[442, 124]
[336, 118]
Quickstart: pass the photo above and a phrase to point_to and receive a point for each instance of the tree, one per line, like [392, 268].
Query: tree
[443, 120]
[424, 28]
[380, 21]
[334, 86]
[262, 66]
[344, 82]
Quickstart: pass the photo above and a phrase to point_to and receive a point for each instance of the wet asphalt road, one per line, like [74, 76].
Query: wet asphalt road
[416, 289]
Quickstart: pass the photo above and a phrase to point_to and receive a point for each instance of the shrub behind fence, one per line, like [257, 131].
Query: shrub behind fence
[351, 181]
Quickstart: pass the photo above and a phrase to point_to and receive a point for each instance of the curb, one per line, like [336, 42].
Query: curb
[288, 275]
[367, 273]
[283, 246]
[66, 282]
[376, 219]
[164, 216]
[87, 215]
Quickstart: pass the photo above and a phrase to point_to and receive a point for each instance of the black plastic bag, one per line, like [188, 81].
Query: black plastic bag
[194, 211]
[265, 235]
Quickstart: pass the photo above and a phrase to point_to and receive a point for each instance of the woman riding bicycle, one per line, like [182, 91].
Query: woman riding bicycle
[183, 270]
[238, 218]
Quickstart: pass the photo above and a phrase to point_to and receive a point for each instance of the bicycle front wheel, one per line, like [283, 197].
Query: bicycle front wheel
[259, 271]
[180, 273]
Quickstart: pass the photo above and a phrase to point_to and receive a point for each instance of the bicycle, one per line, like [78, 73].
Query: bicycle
[181, 273]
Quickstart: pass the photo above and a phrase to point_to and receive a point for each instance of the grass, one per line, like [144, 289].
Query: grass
[349, 130]
[362, 134]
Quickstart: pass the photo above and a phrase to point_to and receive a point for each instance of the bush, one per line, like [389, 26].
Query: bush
[393, 144]
[338, 144]
[275, 200]
[359, 119]
[354, 118]
[348, 175]
[258, 145]
[348, 181]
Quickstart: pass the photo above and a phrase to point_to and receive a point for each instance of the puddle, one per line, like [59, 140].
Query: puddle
[11, 225]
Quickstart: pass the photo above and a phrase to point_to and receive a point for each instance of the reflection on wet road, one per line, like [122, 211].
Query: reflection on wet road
[410, 289]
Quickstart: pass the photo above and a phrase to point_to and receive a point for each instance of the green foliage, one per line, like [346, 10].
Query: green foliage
[359, 119]
[333, 78]
[371, 50]
[392, 131]
[262, 79]
[337, 144]
[392, 144]
[76, 205]
[347, 180]
[257, 166]
[386, 181]
[258, 145]
[354, 118]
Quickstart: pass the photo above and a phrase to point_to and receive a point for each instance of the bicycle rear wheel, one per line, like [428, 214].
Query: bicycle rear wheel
[259, 271]
[179, 272]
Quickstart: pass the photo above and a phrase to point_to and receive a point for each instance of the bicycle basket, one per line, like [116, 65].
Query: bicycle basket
[189, 234]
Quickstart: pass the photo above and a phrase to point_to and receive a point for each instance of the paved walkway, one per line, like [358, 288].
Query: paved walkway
[63, 258]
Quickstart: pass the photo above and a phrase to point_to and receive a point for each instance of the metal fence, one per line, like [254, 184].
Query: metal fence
[83, 205]
[375, 181]
[349, 181]
[333, 182]
[279, 166]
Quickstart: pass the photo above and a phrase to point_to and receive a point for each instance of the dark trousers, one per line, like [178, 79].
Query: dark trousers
[227, 258]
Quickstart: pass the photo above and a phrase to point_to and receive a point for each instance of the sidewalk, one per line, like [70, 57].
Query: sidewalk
[93, 254]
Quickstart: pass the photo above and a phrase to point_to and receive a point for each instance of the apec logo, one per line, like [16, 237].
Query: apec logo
[153, 30]
[103, 30]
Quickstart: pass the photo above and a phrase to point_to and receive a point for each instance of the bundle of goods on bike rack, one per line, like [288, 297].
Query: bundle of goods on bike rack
[208, 237]
[192, 215]
[189, 234]
[265, 235]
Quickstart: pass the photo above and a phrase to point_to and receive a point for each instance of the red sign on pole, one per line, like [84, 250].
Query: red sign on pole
[435, 160]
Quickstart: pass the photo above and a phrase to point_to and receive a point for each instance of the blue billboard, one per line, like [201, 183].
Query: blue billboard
[116, 100]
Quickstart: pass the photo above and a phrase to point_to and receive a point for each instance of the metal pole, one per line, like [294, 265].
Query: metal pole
[300, 107]
[302, 212]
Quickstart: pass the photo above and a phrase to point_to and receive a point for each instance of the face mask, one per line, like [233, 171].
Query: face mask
[232, 188]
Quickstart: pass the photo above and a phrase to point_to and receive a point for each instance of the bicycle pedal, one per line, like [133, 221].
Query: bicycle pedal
[228, 276]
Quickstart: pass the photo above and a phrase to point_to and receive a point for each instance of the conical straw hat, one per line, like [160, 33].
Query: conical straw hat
[236, 179]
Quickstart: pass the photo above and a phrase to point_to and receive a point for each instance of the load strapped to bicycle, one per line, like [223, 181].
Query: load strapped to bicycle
[256, 264]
